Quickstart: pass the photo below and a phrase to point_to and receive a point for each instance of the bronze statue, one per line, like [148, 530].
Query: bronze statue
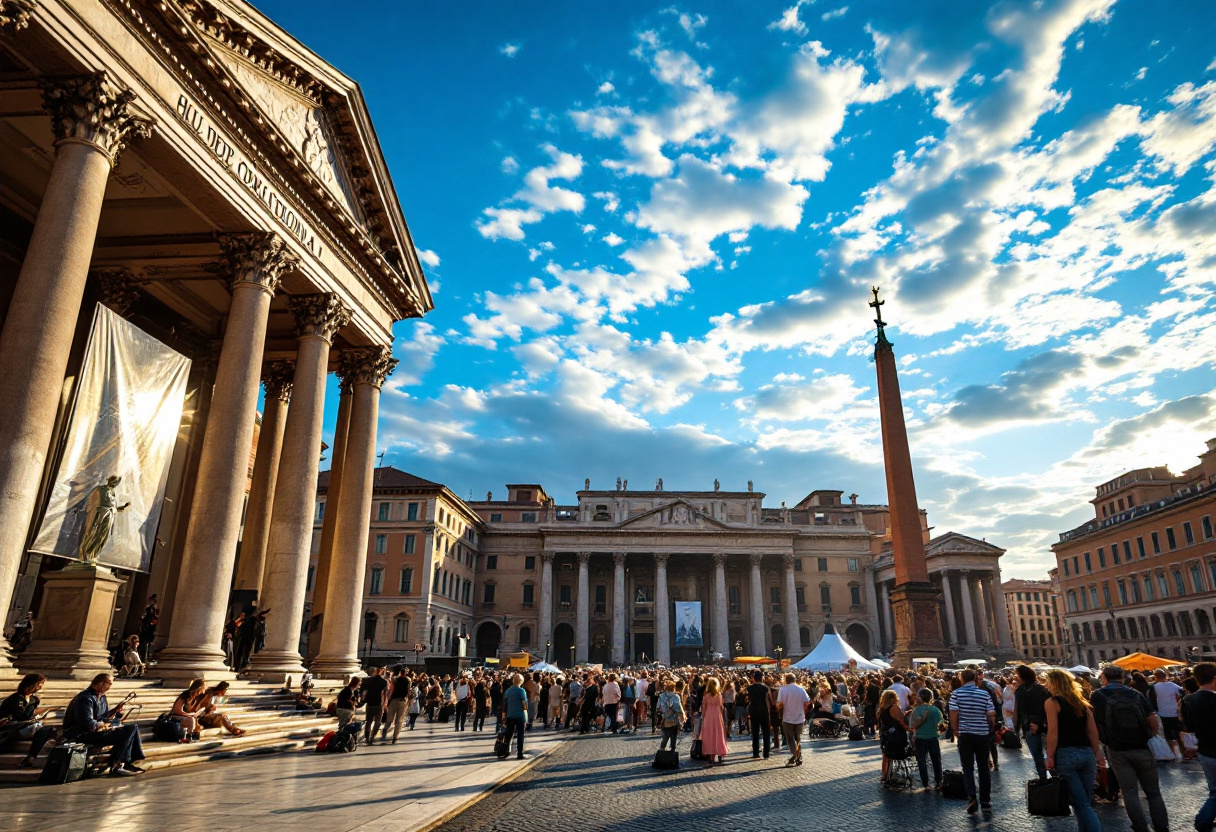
[102, 509]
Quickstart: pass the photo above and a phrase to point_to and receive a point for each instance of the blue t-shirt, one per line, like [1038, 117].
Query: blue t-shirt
[516, 701]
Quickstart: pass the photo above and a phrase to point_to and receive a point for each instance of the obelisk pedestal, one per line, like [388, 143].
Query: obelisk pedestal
[71, 639]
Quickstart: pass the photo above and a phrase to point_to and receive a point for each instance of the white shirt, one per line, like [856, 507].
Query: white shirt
[901, 690]
[611, 693]
[643, 686]
[793, 699]
[1167, 698]
[462, 692]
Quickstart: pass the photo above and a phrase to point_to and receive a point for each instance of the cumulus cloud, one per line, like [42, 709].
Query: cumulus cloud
[428, 257]
[510, 49]
[538, 196]
[789, 22]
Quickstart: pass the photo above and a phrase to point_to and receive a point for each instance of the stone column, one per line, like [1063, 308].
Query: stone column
[92, 121]
[276, 381]
[1005, 640]
[964, 587]
[888, 626]
[872, 607]
[757, 613]
[546, 599]
[662, 610]
[721, 640]
[981, 621]
[793, 641]
[325, 554]
[284, 584]
[948, 605]
[256, 260]
[618, 608]
[582, 610]
[366, 369]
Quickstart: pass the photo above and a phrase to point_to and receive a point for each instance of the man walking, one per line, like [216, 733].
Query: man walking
[1125, 722]
[1168, 694]
[757, 713]
[972, 716]
[375, 698]
[792, 700]
[515, 704]
[1030, 718]
[1199, 712]
[463, 693]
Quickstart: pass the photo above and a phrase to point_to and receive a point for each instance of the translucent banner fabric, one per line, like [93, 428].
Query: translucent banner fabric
[124, 424]
[688, 624]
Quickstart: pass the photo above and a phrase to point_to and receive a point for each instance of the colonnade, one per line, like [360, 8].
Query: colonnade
[978, 597]
[92, 120]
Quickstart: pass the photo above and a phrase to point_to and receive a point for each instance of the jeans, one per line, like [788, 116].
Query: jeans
[38, 735]
[1206, 818]
[532, 704]
[1077, 767]
[926, 751]
[372, 717]
[1139, 765]
[125, 746]
[462, 713]
[479, 717]
[973, 752]
[672, 734]
[515, 726]
[759, 727]
[1034, 742]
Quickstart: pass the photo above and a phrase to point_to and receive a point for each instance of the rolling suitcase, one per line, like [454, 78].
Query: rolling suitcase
[953, 786]
[64, 764]
[502, 746]
[1047, 798]
[666, 759]
[694, 751]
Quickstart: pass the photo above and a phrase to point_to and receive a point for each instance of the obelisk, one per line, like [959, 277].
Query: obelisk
[915, 602]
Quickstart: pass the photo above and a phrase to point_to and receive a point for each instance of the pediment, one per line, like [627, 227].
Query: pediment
[955, 543]
[677, 515]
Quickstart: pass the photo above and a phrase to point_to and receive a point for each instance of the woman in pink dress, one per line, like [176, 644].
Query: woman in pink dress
[713, 722]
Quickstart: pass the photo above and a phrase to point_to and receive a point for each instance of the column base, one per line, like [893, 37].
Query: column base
[915, 613]
[335, 667]
[275, 666]
[184, 664]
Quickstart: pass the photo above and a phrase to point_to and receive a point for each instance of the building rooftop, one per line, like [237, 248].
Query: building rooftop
[387, 477]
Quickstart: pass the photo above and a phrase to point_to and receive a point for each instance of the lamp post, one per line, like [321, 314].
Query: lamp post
[572, 655]
[547, 646]
[779, 651]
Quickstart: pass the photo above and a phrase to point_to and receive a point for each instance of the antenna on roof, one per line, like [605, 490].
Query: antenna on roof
[380, 456]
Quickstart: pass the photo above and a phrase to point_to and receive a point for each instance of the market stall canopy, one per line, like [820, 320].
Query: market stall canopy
[1143, 661]
[834, 653]
[755, 660]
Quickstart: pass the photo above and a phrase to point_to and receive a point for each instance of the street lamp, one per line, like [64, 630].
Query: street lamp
[779, 651]
[572, 655]
[547, 646]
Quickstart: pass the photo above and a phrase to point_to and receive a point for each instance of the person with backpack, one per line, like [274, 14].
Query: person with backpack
[1199, 714]
[670, 713]
[1029, 717]
[1125, 722]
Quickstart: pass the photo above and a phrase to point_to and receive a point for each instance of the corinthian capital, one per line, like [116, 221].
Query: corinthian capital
[368, 365]
[719, 560]
[258, 258]
[277, 378]
[320, 315]
[91, 109]
[16, 13]
[756, 560]
[118, 289]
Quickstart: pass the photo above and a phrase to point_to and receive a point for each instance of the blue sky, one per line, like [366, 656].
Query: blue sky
[651, 229]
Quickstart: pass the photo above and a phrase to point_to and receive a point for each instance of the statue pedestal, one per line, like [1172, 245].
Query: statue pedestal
[915, 610]
[72, 629]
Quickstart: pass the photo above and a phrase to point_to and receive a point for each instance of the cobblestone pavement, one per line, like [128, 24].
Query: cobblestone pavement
[604, 782]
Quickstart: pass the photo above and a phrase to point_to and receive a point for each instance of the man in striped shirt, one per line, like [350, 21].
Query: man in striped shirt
[972, 716]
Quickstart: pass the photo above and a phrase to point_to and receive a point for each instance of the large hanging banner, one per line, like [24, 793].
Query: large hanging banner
[688, 624]
[108, 492]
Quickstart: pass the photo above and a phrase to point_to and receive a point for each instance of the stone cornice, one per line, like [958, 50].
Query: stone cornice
[92, 110]
[319, 316]
[15, 14]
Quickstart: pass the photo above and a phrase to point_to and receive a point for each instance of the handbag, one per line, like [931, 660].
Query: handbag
[167, 729]
[1160, 748]
[1047, 798]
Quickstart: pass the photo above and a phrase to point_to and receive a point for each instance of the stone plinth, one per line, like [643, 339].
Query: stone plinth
[916, 608]
[73, 628]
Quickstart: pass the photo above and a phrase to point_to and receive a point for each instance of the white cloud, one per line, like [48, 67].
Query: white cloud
[606, 88]
[789, 22]
[539, 198]
[510, 165]
[428, 257]
[510, 49]
[613, 239]
[834, 13]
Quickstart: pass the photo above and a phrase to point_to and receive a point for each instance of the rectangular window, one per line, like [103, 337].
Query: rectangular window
[1179, 585]
[435, 583]
[381, 544]
[1149, 595]
[1163, 586]
[825, 595]
[407, 581]
[1101, 557]
[401, 633]
[1207, 527]
[733, 596]
[823, 564]
[1106, 593]
[527, 517]
[377, 581]
[409, 544]
[1212, 572]
[1127, 551]
[320, 514]
[382, 511]
[563, 595]
[855, 595]
[797, 564]
[1093, 596]
[491, 561]
[853, 564]
[1084, 599]
[1188, 533]
[774, 598]
[312, 570]
[487, 593]
[1088, 565]
[1066, 572]
[800, 597]
[1123, 592]
[411, 511]
[1140, 546]
[1156, 544]
[601, 599]
[1196, 578]
[1169, 538]
[530, 562]
[443, 585]
[1114, 553]
[495, 517]
[1076, 567]
[529, 593]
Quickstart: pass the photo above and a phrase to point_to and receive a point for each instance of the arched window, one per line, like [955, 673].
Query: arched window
[1131, 628]
[401, 629]
[1171, 627]
[1099, 632]
[804, 638]
[1156, 624]
[1184, 623]
[1204, 623]
[525, 636]
[1121, 625]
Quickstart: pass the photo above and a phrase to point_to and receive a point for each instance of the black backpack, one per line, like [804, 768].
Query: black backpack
[1126, 725]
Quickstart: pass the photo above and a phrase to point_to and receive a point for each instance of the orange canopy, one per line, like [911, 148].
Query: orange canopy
[1143, 661]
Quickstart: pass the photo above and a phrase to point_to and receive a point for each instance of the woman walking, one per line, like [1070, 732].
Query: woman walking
[892, 732]
[1072, 745]
[713, 722]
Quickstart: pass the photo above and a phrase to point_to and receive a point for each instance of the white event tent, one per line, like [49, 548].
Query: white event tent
[834, 653]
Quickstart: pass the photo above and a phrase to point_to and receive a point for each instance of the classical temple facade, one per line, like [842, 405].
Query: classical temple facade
[193, 168]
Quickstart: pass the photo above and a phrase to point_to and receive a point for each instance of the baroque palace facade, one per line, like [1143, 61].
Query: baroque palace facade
[1141, 575]
[597, 580]
[191, 174]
